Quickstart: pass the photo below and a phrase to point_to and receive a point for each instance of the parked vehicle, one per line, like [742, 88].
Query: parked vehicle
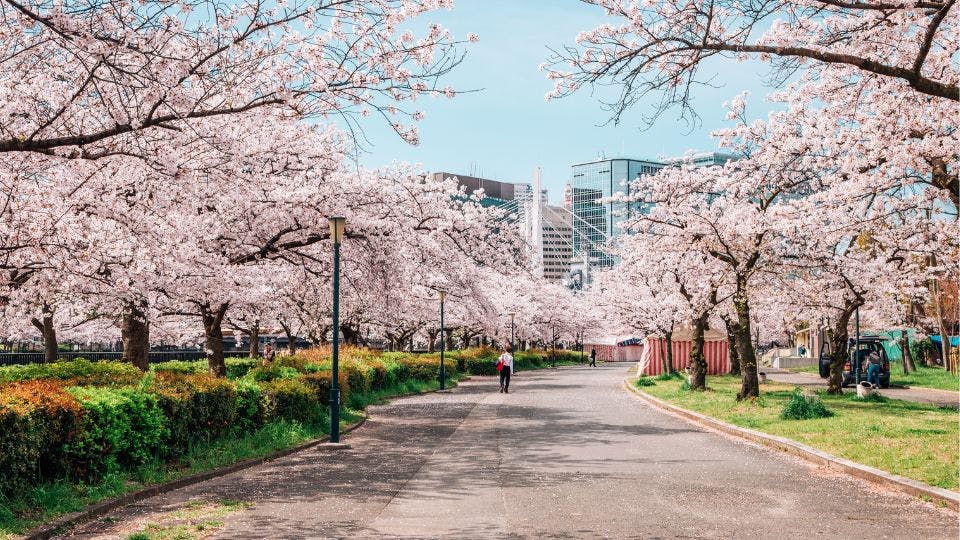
[858, 359]
[868, 344]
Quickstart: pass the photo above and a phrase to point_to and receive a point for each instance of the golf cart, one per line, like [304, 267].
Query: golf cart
[857, 358]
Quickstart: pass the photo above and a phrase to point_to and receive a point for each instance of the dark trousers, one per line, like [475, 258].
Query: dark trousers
[593, 361]
[505, 379]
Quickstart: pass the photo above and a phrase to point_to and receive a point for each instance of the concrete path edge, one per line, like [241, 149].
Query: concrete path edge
[49, 530]
[914, 488]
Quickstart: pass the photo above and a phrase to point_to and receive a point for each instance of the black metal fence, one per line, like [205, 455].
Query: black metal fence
[8, 359]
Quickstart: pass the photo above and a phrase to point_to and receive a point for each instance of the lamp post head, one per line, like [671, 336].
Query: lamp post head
[512, 315]
[337, 224]
[443, 296]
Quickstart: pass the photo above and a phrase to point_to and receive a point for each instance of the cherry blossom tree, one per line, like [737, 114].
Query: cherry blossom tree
[664, 47]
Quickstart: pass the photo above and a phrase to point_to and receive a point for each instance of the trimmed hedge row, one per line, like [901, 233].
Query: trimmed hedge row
[81, 420]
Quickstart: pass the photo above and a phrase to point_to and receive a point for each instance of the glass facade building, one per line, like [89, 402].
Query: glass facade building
[596, 222]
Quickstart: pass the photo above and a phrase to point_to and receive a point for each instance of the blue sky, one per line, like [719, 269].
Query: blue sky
[507, 129]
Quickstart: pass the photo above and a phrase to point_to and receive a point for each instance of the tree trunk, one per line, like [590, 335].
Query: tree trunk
[135, 334]
[432, 339]
[254, 333]
[840, 347]
[731, 327]
[749, 380]
[698, 363]
[908, 365]
[213, 332]
[49, 335]
[669, 355]
[449, 338]
[291, 339]
[948, 363]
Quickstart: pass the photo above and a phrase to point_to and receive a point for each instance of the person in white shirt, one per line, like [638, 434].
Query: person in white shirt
[506, 369]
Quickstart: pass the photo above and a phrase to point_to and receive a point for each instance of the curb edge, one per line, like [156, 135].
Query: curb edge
[904, 485]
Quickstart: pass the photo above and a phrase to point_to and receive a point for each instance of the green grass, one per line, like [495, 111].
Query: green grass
[924, 377]
[909, 439]
[48, 501]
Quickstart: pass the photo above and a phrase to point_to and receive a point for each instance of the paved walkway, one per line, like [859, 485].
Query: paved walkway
[933, 396]
[568, 454]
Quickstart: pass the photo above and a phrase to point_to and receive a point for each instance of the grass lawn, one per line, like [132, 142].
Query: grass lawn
[908, 439]
[925, 377]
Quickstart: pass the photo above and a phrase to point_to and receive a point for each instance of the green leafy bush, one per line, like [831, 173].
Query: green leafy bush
[319, 384]
[119, 427]
[645, 381]
[250, 406]
[37, 419]
[75, 373]
[674, 375]
[197, 407]
[273, 372]
[801, 407]
[421, 369]
[291, 400]
[481, 366]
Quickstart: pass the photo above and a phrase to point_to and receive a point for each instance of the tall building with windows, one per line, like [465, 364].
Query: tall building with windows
[595, 222]
[557, 242]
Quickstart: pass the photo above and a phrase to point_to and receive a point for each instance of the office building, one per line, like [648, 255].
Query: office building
[594, 221]
[557, 242]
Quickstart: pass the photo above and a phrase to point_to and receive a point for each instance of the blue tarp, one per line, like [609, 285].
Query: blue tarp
[954, 341]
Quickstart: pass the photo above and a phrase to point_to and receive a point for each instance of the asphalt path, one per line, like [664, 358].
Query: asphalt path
[569, 453]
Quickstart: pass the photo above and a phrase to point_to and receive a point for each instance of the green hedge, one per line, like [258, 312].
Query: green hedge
[236, 367]
[37, 420]
[119, 428]
[79, 372]
[80, 420]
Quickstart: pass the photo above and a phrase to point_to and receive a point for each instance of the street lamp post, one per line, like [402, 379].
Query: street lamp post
[856, 347]
[443, 371]
[336, 234]
[513, 350]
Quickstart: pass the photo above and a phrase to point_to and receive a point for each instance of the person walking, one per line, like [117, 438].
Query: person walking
[593, 356]
[505, 366]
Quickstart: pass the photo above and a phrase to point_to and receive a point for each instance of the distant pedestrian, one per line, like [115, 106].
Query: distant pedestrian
[268, 353]
[505, 367]
[593, 357]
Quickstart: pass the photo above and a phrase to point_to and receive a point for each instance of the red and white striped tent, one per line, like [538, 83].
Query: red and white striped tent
[715, 350]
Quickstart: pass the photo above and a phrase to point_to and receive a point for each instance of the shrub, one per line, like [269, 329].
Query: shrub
[421, 369]
[75, 373]
[291, 400]
[195, 367]
[198, 407]
[801, 407]
[250, 406]
[272, 372]
[359, 376]
[37, 419]
[295, 362]
[645, 381]
[481, 366]
[382, 378]
[119, 427]
[319, 384]
[673, 375]
[238, 367]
